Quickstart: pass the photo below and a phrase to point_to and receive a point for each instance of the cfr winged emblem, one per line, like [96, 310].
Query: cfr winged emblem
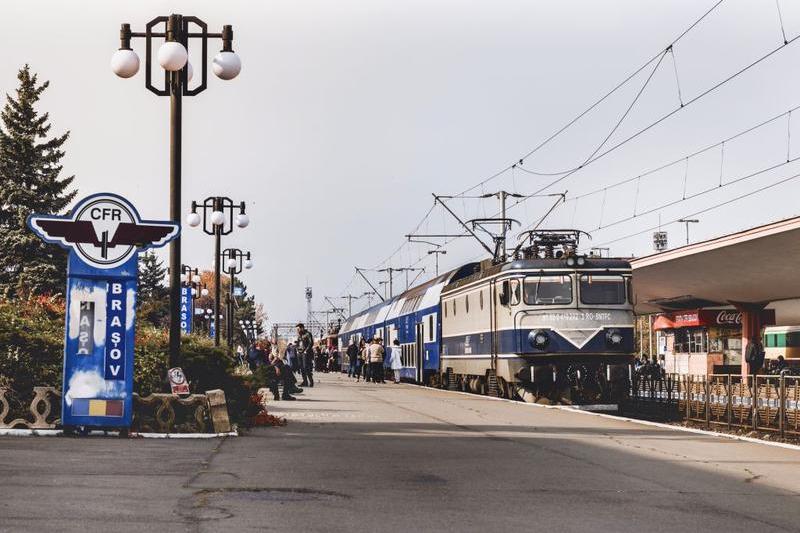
[104, 230]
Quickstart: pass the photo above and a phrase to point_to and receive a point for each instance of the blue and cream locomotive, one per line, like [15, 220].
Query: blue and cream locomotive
[548, 323]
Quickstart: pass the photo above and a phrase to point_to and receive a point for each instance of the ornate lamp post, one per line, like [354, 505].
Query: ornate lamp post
[218, 219]
[234, 260]
[175, 37]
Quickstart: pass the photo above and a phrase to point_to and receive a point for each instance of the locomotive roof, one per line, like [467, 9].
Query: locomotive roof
[488, 269]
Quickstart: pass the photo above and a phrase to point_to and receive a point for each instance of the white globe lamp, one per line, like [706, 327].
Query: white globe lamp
[226, 65]
[231, 263]
[172, 56]
[217, 218]
[125, 63]
[193, 219]
[248, 264]
[242, 220]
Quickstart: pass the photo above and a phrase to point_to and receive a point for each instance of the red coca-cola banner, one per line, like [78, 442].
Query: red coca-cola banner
[707, 318]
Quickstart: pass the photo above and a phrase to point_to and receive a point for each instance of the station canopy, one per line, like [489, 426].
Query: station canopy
[758, 265]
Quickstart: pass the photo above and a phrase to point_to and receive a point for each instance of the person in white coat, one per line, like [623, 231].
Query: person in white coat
[395, 362]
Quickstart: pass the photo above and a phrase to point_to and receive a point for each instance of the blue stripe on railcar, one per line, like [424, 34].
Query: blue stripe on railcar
[516, 341]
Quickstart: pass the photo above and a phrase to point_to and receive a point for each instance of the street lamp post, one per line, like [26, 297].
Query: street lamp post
[173, 56]
[234, 260]
[218, 220]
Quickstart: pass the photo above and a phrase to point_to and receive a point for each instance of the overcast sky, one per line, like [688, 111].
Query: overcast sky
[348, 115]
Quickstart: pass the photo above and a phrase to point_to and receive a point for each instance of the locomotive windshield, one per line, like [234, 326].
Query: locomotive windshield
[603, 289]
[548, 290]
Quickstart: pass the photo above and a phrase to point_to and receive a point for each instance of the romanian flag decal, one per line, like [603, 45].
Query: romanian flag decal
[92, 407]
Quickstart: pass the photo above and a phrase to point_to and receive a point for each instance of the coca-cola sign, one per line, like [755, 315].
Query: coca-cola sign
[729, 318]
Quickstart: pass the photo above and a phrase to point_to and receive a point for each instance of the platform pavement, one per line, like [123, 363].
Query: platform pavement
[367, 457]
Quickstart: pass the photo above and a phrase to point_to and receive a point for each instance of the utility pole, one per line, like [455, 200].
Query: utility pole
[436, 254]
[390, 271]
[688, 221]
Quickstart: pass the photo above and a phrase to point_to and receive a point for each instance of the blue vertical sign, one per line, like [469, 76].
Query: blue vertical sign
[187, 313]
[212, 328]
[103, 234]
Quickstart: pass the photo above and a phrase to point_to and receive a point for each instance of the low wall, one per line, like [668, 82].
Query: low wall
[156, 413]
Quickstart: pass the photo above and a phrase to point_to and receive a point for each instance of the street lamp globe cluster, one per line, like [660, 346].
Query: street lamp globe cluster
[174, 36]
[173, 56]
[218, 215]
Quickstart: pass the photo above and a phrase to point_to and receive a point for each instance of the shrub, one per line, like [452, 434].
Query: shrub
[32, 352]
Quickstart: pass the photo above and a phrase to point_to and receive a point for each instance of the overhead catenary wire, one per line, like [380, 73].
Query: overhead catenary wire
[594, 105]
[699, 193]
[664, 117]
[685, 158]
[704, 210]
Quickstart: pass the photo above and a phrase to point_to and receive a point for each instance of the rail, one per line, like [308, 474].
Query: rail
[719, 400]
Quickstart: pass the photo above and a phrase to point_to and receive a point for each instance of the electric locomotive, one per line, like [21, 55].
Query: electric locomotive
[548, 323]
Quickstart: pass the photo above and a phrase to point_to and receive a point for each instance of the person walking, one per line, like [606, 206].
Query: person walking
[305, 343]
[291, 357]
[376, 354]
[352, 358]
[395, 360]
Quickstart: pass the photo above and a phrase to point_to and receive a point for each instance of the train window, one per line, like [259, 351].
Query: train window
[430, 328]
[466, 303]
[602, 289]
[455, 303]
[515, 291]
[629, 286]
[548, 290]
[480, 299]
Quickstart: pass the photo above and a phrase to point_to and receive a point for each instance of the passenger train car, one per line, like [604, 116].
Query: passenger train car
[547, 323]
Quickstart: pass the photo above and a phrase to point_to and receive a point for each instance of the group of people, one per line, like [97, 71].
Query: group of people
[369, 359]
[282, 369]
[364, 359]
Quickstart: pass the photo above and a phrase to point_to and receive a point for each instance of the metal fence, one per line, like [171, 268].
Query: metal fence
[719, 400]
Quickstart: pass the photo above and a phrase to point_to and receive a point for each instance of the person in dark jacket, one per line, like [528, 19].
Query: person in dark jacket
[352, 358]
[305, 349]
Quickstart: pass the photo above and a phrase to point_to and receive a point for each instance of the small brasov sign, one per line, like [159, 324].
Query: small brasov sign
[103, 234]
[187, 316]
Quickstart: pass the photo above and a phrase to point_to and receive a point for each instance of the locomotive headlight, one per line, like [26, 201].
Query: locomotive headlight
[570, 261]
[614, 337]
[539, 339]
[580, 261]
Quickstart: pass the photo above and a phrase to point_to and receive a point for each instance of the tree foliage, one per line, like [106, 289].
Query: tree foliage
[153, 303]
[30, 182]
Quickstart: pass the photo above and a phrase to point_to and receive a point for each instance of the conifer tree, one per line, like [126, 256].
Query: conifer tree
[30, 182]
[153, 301]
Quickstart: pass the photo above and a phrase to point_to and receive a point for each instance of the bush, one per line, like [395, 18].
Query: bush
[31, 343]
[32, 353]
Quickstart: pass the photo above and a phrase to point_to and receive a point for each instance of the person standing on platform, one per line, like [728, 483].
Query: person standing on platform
[352, 358]
[367, 367]
[376, 354]
[305, 342]
[395, 360]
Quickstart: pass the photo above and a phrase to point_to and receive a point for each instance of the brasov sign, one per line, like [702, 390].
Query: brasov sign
[103, 234]
[186, 310]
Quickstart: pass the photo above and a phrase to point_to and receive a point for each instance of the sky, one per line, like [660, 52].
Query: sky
[348, 115]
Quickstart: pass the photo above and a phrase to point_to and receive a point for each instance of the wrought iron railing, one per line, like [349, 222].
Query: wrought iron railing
[719, 400]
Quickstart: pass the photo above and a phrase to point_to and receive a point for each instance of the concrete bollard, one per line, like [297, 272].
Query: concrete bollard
[218, 410]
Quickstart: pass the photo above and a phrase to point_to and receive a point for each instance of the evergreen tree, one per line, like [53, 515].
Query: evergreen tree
[153, 302]
[30, 182]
